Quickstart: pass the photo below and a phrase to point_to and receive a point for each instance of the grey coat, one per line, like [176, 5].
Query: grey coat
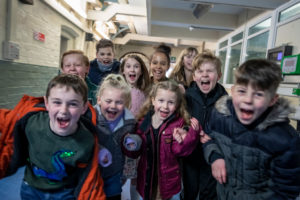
[113, 141]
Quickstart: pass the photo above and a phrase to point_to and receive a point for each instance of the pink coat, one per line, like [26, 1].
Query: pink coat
[169, 178]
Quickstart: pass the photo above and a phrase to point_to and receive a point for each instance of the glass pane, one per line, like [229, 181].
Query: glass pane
[257, 46]
[223, 44]
[261, 26]
[234, 61]
[237, 37]
[289, 12]
[222, 56]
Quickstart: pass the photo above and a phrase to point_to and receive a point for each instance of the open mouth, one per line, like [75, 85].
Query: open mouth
[106, 62]
[132, 77]
[111, 114]
[246, 114]
[205, 83]
[164, 114]
[63, 122]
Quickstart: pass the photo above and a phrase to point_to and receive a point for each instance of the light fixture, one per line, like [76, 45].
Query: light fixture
[216, 28]
[201, 9]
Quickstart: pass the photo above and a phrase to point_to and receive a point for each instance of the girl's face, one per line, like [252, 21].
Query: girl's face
[112, 103]
[132, 71]
[165, 104]
[159, 66]
[188, 60]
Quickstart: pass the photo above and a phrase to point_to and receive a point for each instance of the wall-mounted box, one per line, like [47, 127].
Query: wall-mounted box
[11, 50]
[276, 54]
[290, 65]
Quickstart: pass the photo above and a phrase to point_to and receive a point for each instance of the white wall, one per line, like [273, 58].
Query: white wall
[289, 34]
[39, 17]
[2, 23]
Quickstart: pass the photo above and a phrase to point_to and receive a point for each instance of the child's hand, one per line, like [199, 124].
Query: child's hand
[105, 157]
[179, 134]
[204, 137]
[182, 89]
[218, 169]
[130, 143]
[195, 124]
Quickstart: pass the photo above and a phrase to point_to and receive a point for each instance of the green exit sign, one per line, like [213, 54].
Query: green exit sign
[290, 65]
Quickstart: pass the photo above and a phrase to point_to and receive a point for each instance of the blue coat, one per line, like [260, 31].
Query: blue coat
[262, 159]
[96, 75]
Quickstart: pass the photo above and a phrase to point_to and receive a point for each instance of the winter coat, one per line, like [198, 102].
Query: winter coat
[113, 140]
[96, 75]
[200, 107]
[13, 146]
[262, 159]
[169, 178]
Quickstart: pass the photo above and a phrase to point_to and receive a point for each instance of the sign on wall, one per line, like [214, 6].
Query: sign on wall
[39, 36]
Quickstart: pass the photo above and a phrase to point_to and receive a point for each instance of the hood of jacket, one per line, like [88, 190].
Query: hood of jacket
[279, 112]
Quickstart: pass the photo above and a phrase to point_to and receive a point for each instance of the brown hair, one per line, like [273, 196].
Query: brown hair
[144, 80]
[116, 81]
[207, 56]
[103, 43]
[162, 48]
[260, 73]
[180, 101]
[178, 71]
[85, 59]
[70, 82]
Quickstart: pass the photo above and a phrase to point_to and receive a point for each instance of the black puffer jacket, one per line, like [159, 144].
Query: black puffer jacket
[200, 106]
[262, 159]
[196, 172]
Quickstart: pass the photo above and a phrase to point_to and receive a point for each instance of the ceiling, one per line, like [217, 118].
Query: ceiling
[178, 22]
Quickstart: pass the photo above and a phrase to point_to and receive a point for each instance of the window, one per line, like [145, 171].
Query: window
[222, 56]
[289, 12]
[223, 44]
[257, 46]
[261, 26]
[234, 62]
[237, 37]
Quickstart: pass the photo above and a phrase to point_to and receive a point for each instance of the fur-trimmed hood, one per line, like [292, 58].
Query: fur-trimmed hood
[279, 113]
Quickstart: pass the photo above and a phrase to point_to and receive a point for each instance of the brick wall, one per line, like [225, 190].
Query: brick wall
[17, 79]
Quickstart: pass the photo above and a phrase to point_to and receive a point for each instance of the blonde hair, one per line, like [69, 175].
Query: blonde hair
[178, 71]
[180, 101]
[116, 81]
[144, 79]
[207, 56]
[85, 59]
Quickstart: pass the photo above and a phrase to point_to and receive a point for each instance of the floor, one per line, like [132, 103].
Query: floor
[10, 187]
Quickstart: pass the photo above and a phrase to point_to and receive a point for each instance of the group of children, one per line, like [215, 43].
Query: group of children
[179, 131]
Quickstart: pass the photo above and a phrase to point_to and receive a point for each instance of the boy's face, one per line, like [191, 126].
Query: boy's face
[159, 66]
[64, 107]
[132, 71]
[250, 103]
[206, 77]
[112, 103]
[73, 64]
[105, 55]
